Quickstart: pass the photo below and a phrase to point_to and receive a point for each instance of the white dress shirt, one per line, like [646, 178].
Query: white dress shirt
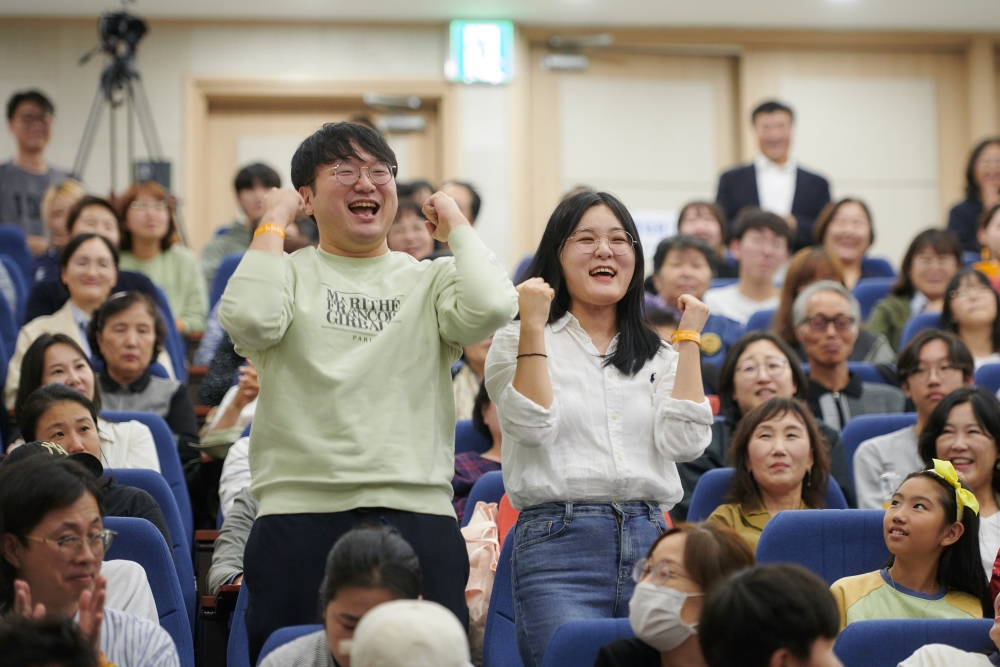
[128, 589]
[775, 184]
[235, 474]
[606, 437]
[127, 445]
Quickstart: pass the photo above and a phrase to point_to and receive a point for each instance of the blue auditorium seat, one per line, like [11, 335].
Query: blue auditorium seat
[870, 291]
[877, 267]
[467, 439]
[866, 427]
[578, 642]
[282, 636]
[713, 486]
[20, 285]
[988, 375]
[499, 641]
[761, 320]
[238, 649]
[225, 271]
[918, 323]
[723, 282]
[14, 244]
[488, 488]
[887, 642]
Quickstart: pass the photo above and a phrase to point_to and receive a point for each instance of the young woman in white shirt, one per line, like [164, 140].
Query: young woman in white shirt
[594, 411]
[971, 310]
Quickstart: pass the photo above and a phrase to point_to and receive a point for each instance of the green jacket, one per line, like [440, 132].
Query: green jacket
[889, 317]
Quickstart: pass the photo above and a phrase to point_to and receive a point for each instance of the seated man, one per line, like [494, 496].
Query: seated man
[760, 243]
[826, 316]
[931, 366]
[466, 196]
[684, 264]
[227, 559]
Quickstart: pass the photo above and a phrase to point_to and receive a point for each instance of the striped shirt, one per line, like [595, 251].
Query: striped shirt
[312, 650]
[130, 641]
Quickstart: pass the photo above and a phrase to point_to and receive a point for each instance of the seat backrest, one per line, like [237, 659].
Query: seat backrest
[832, 544]
[578, 642]
[170, 460]
[14, 244]
[724, 282]
[488, 488]
[238, 649]
[877, 267]
[282, 636]
[20, 285]
[139, 541]
[499, 640]
[761, 320]
[870, 291]
[988, 375]
[225, 271]
[174, 344]
[714, 484]
[152, 483]
[918, 323]
[971, 258]
[866, 427]
[467, 439]
[887, 642]
[8, 330]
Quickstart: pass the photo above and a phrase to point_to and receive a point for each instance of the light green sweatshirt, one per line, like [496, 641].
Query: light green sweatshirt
[354, 356]
[175, 271]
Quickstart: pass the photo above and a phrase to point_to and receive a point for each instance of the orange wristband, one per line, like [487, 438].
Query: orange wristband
[686, 334]
[270, 228]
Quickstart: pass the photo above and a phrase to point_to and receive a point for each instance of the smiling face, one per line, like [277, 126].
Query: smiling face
[973, 304]
[830, 346]
[935, 378]
[774, 134]
[31, 126]
[849, 233]
[986, 169]
[251, 200]
[148, 217]
[931, 272]
[599, 277]
[779, 454]
[914, 524]
[98, 220]
[409, 234]
[127, 340]
[760, 253]
[90, 273]
[969, 447]
[64, 365]
[698, 221]
[345, 611]
[683, 272]
[352, 218]
[71, 426]
[772, 377]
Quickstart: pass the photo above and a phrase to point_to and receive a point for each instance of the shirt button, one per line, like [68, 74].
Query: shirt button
[610, 374]
[619, 458]
[614, 416]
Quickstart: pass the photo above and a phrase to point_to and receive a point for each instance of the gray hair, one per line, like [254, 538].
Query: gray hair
[799, 306]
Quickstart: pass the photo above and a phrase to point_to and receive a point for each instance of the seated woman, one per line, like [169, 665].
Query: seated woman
[808, 266]
[844, 229]
[682, 566]
[57, 202]
[366, 567]
[408, 232]
[89, 268]
[933, 257]
[759, 367]
[989, 237]
[780, 464]
[970, 310]
[470, 466]
[52, 515]
[57, 359]
[150, 245]
[982, 192]
[58, 414]
[934, 570]
[964, 430]
[707, 221]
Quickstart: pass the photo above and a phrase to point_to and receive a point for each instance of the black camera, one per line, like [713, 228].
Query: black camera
[120, 32]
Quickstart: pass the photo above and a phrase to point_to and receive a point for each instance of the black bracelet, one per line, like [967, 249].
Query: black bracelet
[533, 354]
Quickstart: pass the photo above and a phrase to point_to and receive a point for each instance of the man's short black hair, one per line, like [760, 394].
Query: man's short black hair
[770, 107]
[751, 217]
[477, 201]
[777, 607]
[337, 141]
[958, 354]
[34, 96]
[683, 242]
[252, 174]
[53, 640]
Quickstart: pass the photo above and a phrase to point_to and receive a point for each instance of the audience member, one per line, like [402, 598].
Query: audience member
[759, 367]
[963, 430]
[470, 466]
[469, 377]
[934, 256]
[970, 311]
[943, 655]
[410, 633]
[682, 265]
[252, 183]
[931, 366]
[9, 291]
[24, 180]
[150, 245]
[989, 237]
[408, 232]
[846, 231]
[982, 192]
[88, 269]
[235, 476]
[57, 202]
[227, 558]
[51, 641]
[416, 191]
[774, 181]
[707, 221]
[466, 197]
[760, 242]
[234, 414]
[347, 457]
[51, 515]
[808, 266]
[580, 355]
[682, 566]
[57, 359]
[931, 528]
[787, 618]
[826, 318]
[367, 567]
[780, 464]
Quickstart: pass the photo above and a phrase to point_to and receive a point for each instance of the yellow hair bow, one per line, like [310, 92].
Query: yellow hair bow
[963, 497]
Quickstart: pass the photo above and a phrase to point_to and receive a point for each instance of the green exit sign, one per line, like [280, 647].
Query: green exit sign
[481, 52]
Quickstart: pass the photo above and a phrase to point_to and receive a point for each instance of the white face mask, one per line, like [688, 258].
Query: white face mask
[654, 612]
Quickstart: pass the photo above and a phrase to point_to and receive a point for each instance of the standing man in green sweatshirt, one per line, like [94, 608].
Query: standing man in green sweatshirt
[353, 345]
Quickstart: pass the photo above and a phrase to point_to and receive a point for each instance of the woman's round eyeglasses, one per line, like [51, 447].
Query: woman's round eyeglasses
[589, 240]
[649, 572]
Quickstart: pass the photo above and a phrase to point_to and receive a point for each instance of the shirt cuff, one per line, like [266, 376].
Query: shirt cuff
[684, 410]
[523, 411]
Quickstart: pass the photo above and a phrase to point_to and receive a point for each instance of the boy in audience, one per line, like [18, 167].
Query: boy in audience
[931, 366]
[826, 318]
[354, 346]
[252, 183]
[51, 641]
[760, 243]
[24, 180]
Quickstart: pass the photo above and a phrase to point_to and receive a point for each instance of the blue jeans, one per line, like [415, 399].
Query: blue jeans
[574, 561]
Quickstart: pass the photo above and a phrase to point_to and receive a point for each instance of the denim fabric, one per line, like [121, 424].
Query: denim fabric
[574, 561]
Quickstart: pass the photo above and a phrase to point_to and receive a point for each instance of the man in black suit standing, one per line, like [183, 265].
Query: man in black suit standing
[774, 181]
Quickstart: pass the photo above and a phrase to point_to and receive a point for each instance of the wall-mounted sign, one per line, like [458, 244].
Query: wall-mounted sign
[481, 52]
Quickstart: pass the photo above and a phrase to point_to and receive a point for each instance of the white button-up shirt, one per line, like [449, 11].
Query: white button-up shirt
[775, 184]
[607, 437]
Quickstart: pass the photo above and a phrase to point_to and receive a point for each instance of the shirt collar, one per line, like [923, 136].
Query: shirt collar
[853, 388]
[563, 321]
[761, 161]
[82, 318]
[137, 387]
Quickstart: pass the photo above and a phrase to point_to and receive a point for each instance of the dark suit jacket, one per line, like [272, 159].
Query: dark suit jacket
[738, 188]
[48, 296]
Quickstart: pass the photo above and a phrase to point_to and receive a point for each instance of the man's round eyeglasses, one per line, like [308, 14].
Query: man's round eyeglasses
[589, 240]
[161, 205]
[70, 545]
[944, 372]
[820, 323]
[379, 173]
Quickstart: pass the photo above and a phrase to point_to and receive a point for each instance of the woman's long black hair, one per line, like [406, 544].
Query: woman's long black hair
[637, 343]
[948, 322]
